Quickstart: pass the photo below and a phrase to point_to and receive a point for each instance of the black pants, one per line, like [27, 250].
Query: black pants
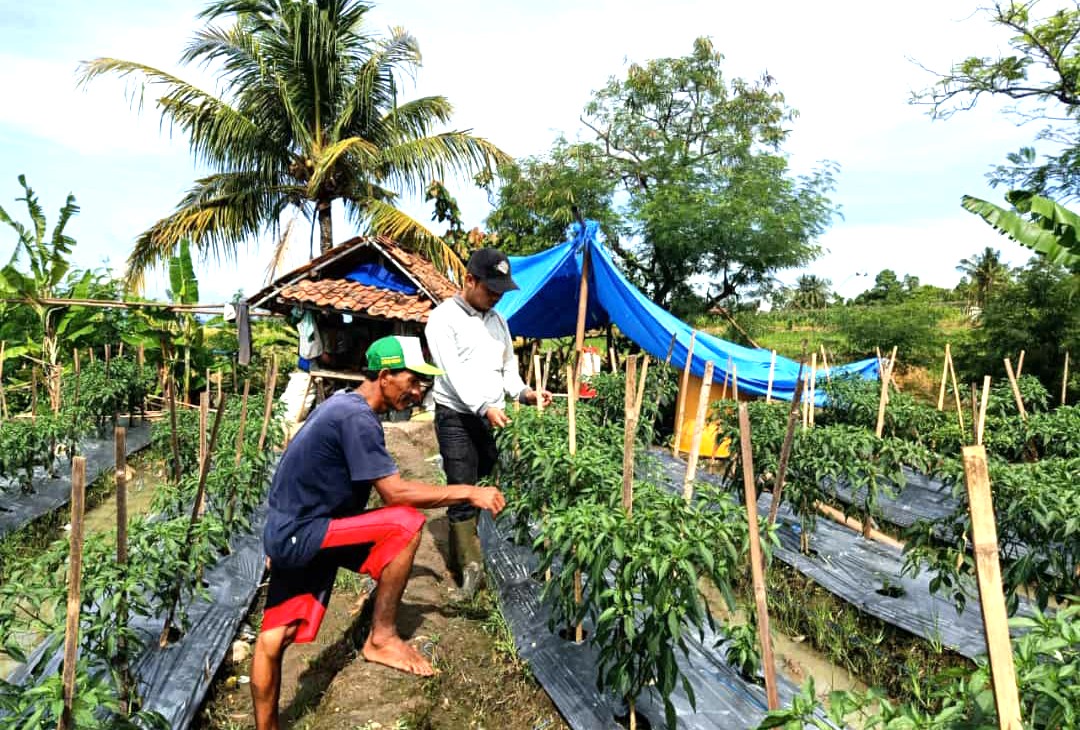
[468, 453]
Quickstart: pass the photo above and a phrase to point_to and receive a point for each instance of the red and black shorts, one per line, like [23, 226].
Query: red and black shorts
[365, 543]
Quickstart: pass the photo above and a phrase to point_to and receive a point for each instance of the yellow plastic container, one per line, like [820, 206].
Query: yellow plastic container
[710, 446]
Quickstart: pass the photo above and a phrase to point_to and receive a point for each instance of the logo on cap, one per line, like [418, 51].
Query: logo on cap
[503, 267]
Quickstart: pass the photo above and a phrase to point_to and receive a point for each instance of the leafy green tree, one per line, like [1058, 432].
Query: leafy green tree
[309, 115]
[985, 272]
[691, 165]
[1036, 222]
[887, 289]
[1041, 73]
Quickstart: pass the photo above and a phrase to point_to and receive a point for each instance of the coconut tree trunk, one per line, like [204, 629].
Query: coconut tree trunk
[326, 230]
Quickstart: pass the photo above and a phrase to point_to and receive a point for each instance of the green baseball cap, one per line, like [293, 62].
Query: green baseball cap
[399, 353]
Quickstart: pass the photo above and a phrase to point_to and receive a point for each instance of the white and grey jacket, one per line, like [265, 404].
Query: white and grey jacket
[476, 351]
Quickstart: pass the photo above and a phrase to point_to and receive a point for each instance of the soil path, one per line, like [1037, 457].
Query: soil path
[327, 684]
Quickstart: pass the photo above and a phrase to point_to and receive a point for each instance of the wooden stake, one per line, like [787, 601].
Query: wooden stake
[571, 415]
[757, 569]
[529, 365]
[641, 384]
[735, 382]
[583, 302]
[140, 355]
[614, 360]
[33, 392]
[727, 378]
[680, 411]
[120, 352]
[981, 423]
[1064, 381]
[204, 421]
[772, 372]
[173, 433]
[547, 371]
[886, 373]
[1015, 390]
[121, 561]
[956, 395]
[670, 349]
[802, 405]
[699, 426]
[991, 592]
[1020, 365]
[539, 382]
[974, 411]
[74, 601]
[785, 450]
[629, 435]
[268, 408]
[231, 509]
[825, 364]
[812, 407]
[185, 549]
[3, 397]
[90, 351]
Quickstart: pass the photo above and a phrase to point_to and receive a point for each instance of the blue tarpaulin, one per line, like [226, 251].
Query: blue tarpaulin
[375, 274]
[546, 306]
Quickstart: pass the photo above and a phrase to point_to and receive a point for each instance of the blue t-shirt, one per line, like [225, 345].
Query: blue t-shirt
[325, 473]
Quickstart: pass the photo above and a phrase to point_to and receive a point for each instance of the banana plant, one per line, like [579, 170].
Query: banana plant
[1038, 223]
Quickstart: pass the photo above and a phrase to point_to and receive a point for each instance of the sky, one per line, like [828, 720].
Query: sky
[518, 73]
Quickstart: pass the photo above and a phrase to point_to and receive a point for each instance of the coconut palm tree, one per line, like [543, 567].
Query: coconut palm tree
[811, 292]
[985, 271]
[307, 114]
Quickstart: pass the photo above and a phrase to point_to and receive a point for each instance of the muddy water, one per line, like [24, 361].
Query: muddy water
[143, 478]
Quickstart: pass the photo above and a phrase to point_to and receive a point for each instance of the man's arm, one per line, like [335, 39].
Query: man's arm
[514, 386]
[395, 490]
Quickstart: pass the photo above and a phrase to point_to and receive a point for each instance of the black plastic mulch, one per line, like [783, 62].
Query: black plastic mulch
[921, 498]
[864, 573]
[567, 671]
[18, 510]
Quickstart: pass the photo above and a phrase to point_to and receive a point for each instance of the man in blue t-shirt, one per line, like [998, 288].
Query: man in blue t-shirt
[318, 521]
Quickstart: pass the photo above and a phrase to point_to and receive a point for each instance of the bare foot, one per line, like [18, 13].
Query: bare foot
[397, 654]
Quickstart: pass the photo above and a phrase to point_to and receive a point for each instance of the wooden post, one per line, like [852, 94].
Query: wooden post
[33, 392]
[173, 435]
[735, 382]
[757, 569]
[583, 301]
[1064, 381]
[886, 373]
[1020, 365]
[614, 360]
[204, 421]
[538, 373]
[727, 378]
[185, 549]
[641, 384]
[629, 435]
[825, 364]
[991, 593]
[268, 408]
[3, 398]
[699, 426]
[90, 351]
[121, 561]
[802, 405]
[571, 415]
[981, 424]
[74, 601]
[974, 409]
[1015, 390]
[529, 365]
[772, 372]
[812, 407]
[140, 355]
[547, 371]
[941, 391]
[670, 349]
[785, 450]
[956, 395]
[680, 411]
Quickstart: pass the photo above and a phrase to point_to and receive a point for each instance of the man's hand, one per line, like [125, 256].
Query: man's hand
[497, 417]
[531, 396]
[488, 498]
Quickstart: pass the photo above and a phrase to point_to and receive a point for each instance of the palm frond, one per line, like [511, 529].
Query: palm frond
[365, 156]
[386, 220]
[411, 164]
[1048, 235]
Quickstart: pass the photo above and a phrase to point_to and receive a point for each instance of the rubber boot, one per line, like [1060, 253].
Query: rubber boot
[466, 558]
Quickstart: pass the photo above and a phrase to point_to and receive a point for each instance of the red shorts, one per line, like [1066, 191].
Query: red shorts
[365, 543]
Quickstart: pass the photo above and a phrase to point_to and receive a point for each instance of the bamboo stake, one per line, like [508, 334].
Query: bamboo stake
[812, 407]
[547, 371]
[825, 365]
[204, 421]
[74, 601]
[539, 382]
[268, 407]
[785, 450]
[699, 426]
[757, 569]
[727, 377]
[974, 410]
[571, 415]
[802, 404]
[680, 411]
[956, 395]
[529, 365]
[614, 360]
[1015, 390]
[185, 549]
[735, 382]
[3, 397]
[886, 373]
[629, 435]
[121, 562]
[1020, 364]
[981, 424]
[641, 384]
[173, 433]
[991, 592]
[120, 352]
[33, 393]
[140, 355]
[1064, 380]
[90, 350]
[772, 372]
[670, 349]
[583, 300]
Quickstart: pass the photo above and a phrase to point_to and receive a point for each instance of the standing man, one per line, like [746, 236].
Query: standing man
[318, 520]
[471, 342]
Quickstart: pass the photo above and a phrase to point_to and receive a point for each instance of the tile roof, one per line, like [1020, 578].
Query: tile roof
[420, 268]
[350, 296]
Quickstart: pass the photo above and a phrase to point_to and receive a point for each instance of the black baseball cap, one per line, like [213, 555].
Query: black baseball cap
[491, 267]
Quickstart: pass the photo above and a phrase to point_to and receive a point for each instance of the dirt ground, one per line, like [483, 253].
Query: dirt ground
[327, 684]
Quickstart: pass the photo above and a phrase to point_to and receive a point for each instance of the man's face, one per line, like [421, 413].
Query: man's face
[402, 389]
[478, 295]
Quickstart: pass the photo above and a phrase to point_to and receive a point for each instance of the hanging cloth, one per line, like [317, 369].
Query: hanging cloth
[311, 345]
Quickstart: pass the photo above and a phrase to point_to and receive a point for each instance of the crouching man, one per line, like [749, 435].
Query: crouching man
[318, 521]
